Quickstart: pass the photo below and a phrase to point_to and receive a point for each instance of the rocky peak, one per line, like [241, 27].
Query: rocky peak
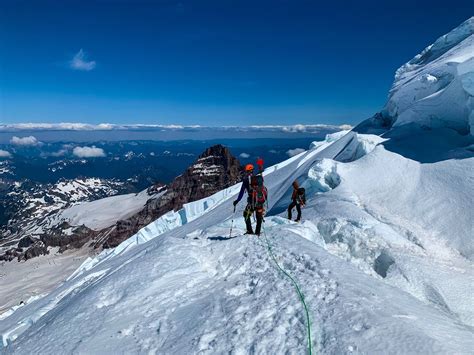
[215, 169]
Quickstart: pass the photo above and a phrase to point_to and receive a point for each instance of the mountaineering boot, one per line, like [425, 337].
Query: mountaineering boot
[248, 226]
[249, 233]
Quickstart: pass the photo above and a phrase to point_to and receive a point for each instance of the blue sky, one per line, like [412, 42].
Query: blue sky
[209, 62]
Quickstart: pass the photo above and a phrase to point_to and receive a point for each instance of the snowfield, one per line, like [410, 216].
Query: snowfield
[383, 258]
[103, 213]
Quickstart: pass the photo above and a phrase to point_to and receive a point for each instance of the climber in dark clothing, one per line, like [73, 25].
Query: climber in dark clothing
[298, 199]
[251, 206]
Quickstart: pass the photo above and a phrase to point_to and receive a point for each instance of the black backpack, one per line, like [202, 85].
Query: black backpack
[301, 195]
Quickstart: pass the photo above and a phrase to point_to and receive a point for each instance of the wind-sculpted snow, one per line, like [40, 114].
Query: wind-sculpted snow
[183, 285]
[407, 222]
[436, 88]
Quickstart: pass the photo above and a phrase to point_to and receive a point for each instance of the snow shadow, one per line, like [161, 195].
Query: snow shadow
[428, 145]
[220, 238]
[382, 263]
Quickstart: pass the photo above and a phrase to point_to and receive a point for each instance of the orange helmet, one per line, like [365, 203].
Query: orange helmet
[249, 167]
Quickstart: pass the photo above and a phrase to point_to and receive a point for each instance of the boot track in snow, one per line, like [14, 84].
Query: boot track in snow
[295, 284]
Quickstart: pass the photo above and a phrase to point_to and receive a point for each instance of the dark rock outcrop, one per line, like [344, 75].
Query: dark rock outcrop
[25, 242]
[37, 249]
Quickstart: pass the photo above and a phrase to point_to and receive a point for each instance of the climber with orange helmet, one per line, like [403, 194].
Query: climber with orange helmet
[248, 173]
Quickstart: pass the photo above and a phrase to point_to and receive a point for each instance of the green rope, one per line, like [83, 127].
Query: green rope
[298, 290]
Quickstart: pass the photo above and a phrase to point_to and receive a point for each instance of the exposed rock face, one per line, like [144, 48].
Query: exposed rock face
[37, 249]
[31, 206]
[214, 170]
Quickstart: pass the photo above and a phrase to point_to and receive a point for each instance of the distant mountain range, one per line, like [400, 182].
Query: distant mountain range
[139, 163]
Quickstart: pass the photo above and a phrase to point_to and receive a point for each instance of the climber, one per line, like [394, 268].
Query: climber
[298, 200]
[256, 199]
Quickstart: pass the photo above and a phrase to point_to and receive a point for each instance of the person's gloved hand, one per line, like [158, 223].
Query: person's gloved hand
[235, 203]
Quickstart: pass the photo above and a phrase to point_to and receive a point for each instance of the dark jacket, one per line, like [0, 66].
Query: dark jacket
[245, 187]
[294, 195]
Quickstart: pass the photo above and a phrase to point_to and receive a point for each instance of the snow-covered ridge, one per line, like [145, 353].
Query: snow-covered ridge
[193, 210]
[436, 88]
[192, 214]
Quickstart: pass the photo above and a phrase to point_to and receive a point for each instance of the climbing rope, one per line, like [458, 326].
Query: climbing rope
[298, 290]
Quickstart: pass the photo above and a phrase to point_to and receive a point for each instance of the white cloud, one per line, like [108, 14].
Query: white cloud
[293, 152]
[273, 151]
[79, 62]
[59, 153]
[88, 152]
[5, 154]
[24, 141]
[244, 155]
[345, 127]
[297, 128]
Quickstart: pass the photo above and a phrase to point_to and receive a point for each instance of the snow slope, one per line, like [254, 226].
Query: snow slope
[103, 213]
[409, 223]
[195, 290]
[22, 282]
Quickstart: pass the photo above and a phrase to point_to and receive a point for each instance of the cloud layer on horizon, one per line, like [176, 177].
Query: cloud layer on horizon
[65, 126]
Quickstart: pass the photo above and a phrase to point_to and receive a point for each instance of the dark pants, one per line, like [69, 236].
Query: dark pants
[249, 210]
[298, 209]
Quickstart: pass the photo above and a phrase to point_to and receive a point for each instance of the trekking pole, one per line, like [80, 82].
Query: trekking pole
[232, 223]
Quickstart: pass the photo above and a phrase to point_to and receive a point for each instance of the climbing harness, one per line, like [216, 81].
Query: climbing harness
[298, 290]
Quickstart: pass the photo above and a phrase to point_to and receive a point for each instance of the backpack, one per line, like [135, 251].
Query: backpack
[258, 192]
[301, 195]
